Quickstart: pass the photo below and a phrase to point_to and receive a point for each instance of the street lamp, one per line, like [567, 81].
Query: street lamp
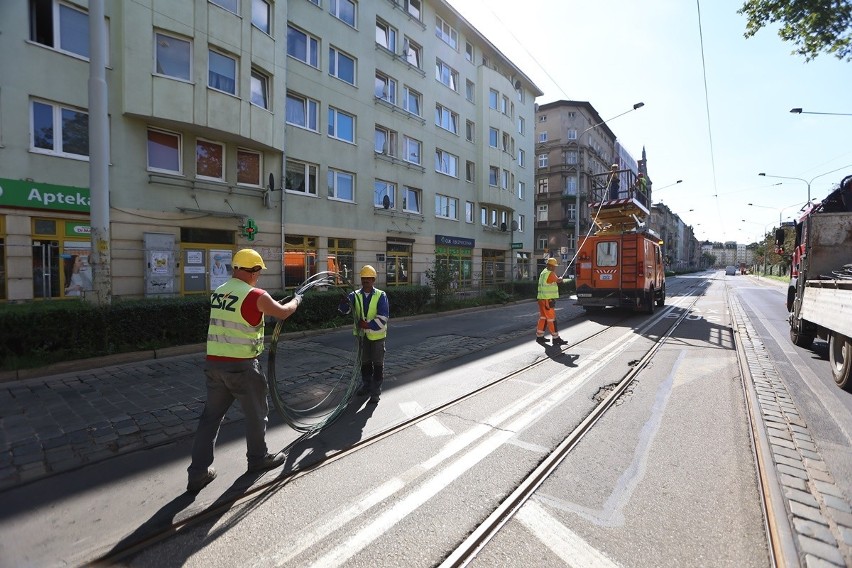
[780, 210]
[579, 153]
[798, 110]
[804, 180]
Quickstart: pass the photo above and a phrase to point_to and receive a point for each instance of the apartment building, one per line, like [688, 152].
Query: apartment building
[325, 134]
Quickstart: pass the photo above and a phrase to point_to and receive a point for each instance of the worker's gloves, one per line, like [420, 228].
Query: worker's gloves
[298, 299]
[364, 324]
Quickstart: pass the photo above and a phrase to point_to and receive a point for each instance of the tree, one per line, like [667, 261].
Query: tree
[813, 26]
[440, 277]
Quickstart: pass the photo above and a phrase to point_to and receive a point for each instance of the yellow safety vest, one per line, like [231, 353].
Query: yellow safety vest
[547, 291]
[229, 335]
[372, 311]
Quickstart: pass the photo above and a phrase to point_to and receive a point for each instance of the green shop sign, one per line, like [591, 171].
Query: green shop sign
[45, 196]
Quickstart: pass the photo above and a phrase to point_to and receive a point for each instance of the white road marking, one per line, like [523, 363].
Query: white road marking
[561, 540]
[432, 427]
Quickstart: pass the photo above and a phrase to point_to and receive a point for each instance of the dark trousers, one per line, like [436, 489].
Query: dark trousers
[372, 365]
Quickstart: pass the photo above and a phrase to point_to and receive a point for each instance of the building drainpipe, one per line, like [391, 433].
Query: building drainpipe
[99, 157]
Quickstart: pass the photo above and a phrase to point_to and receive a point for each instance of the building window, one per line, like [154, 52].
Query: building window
[521, 223]
[446, 163]
[249, 166]
[413, 53]
[412, 101]
[414, 8]
[411, 198]
[385, 35]
[446, 207]
[504, 105]
[470, 129]
[209, 160]
[342, 251]
[302, 112]
[59, 26]
[59, 130]
[386, 141]
[260, 15]
[493, 217]
[446, 33]
[222, 72]
[259, 89]
[446, 74]
[469, 90]
[483, 216]
[468, 211]
[493, 135]
[542, 160]
[522, 158]
[229, 5]
[506, 144]
[173, 57]
[341, 66]
[385, 88]
[344, 10]
[571, 157]
[470, 171]
[341, 185]
[493, 174]
[504, 180]
[541, 242]
[301, 177]
[571, 211]
[446, 119]
[571, 186]
[412, 151]
[572, 134]
[493, 98]
[382, 189]
[164, 151]
[542, 212]
[542, 136]
[522, 190]
[302, 46]
[468, 51]
[341, 125]
[542, 186]
[522, 126]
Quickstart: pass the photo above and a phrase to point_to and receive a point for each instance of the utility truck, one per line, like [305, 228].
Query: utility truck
[621, 265]
[819, 297]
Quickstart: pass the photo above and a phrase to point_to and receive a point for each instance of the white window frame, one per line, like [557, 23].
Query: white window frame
[337, 9]
[446, 75]
[522, 223]
[414, 9]
[311, 46]
[493, 176]
[470, 171]
[386, 88]
[522, 125]
[334, 120]
[412, 52]
[572, 134]
[386, 35]
[446, 163]
[468, 211]
[236, 68]
[61, 30]
[412, 150]
[244, 152]
[543, 160]
[446, 207]
[407, 194]
[522, 190]
[310, 110]
[310, 175]
[261, 16]
[410, 94]
[542, 136]
[446, 33]
[470, 131]
[158, 44]
[543, 186]
[446, 119]
[483, 216]
[389, 141]
[522, 158]
[380, 189]
[178, 151]
[334, 177]
[468, 51]
[334, 57]
[541, 242]
[57, 129]
[493, 136]
[493, 99]
[541, 212]
[504, 179]
[232, 6]
[212, 143]
[259, 83]
[470, 90]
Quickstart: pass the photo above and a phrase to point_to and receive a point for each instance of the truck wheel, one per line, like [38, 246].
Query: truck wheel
[649, 302]
[661, 299]
[799, 339]
[840, 357]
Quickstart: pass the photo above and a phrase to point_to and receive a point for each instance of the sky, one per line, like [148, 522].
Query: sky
[715, 115]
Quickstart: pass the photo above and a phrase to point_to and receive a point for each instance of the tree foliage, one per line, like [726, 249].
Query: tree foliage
[814, 26]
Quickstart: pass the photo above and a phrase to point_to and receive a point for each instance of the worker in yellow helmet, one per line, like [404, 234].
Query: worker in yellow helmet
[234, 342]
[548, 292]
[372, 310]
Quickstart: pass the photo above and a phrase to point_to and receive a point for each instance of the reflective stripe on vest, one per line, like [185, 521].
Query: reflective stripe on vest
[547, 291]
[229, 335]
[372, 312]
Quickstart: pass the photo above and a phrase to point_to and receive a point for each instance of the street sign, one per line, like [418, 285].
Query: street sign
[517, 245]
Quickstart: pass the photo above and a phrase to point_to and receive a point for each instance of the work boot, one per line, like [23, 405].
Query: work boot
[364, 390]
[559, 341]
[374, 399]
[269, 461]
[198, 483]
[541, 340]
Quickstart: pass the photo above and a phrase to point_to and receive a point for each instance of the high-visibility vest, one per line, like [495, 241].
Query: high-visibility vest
[229, 335]
[547, 291]
[372, 311]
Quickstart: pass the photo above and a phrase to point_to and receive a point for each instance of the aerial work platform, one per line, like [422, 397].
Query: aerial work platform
[619, 201]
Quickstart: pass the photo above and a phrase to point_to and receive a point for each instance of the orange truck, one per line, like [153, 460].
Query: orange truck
[299, 266]
[621, 265]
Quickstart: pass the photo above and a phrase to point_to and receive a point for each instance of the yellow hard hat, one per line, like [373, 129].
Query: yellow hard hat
[368, 271]
[248, 258]
[552, 261]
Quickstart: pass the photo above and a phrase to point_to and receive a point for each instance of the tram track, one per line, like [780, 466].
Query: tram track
[227, 502]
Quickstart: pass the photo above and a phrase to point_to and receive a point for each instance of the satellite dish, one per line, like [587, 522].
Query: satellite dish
[518, 85]
[503, 227]
[386, 202]
[271, 182]
[514, 225]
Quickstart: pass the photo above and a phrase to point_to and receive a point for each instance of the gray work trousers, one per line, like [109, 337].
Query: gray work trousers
[228, 381]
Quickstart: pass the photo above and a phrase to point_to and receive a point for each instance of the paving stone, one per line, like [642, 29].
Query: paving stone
[814, 530]
[814, 562]
[802, 497]
[820, 550]
[780, 442]
[828, 488]
[816, 464]
[786, 452]
[821, 475]
[809, 513]
[845, 534]
[837, 503]
[792, 471]
[810, 446]
[794, 482]
[794, 463]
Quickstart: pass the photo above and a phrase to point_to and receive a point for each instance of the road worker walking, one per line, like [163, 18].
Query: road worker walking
[548, 292]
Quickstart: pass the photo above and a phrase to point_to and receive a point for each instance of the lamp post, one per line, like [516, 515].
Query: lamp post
[807, 182]
[579, 153]
[798, 110]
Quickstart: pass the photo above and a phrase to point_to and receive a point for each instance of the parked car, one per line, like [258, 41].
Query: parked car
[730, 270]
